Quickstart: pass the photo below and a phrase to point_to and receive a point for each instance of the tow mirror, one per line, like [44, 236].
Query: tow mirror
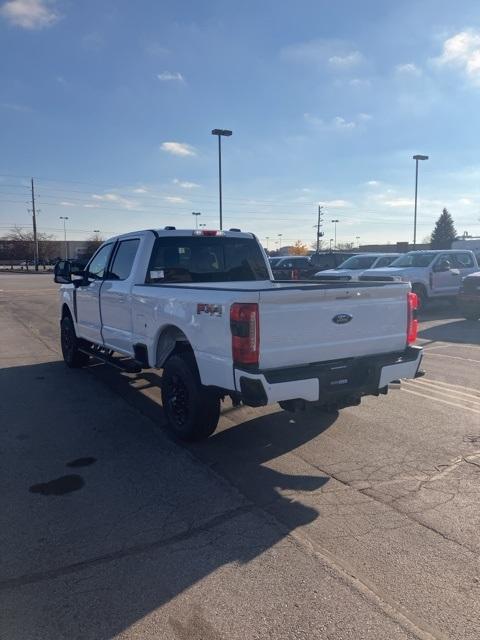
[63, 272]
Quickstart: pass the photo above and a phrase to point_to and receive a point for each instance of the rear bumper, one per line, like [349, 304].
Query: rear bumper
[327, 382]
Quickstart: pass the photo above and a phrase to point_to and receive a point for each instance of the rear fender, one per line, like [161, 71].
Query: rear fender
[170, 338]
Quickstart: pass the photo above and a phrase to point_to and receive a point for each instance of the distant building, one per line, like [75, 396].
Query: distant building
[398, 247]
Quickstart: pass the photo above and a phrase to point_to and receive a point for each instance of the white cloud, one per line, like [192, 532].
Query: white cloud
[30, 14]
[463, 52]
[336, 54]
[337, 123]
[337, 204]
[184, 184]
[346, 61]
[114, 198]
[373, 183]
[359, 83]
[178, 148]
[11, 106]
[156, 49]
[175, 199]
[465, 201]
[140, 190]
[399, 202]
[409, 69]
[67, 204]
[364, 117]
[90, 206]
[167, 76]
[341, 123]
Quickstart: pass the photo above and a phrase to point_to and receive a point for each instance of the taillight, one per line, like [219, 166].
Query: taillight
[412, 322]
[245, 332]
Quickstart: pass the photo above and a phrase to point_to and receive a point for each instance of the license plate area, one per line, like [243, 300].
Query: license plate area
[347, 375]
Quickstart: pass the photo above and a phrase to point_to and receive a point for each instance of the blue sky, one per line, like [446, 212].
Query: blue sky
[109, 104]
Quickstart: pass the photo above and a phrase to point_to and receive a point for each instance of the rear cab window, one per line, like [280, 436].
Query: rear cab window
[206, 259]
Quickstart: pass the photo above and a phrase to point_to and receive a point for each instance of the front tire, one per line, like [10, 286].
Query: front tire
[192, 410]
[70, 346]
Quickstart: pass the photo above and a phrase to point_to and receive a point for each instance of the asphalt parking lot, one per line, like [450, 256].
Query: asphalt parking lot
[362, 524]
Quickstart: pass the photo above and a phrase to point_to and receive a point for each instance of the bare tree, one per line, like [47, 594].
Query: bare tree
[93, 242]
[19, 244]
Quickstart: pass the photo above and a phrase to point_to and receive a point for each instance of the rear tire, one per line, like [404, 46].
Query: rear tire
[421, 292]
[70, 345]
[192, 410]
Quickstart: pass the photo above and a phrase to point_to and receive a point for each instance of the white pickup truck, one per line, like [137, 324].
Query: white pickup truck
[202, 306]
[432, 274]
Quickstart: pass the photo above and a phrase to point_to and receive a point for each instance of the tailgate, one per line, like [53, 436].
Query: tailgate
[301, 325]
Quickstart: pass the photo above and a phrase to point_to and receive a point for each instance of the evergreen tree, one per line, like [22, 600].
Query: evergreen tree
[444, 232]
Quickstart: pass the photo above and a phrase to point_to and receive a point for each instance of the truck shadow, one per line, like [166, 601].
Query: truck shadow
[457, 331]
[146, 521]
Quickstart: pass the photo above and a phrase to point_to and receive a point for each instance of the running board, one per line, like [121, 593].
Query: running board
[129, 365]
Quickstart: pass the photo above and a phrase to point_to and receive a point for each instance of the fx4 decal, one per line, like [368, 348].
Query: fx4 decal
[210, 309]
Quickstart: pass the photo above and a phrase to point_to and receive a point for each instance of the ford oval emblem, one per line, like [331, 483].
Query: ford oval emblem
[342, 318]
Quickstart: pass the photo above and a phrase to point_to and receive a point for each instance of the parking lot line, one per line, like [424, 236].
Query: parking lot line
[452, 404]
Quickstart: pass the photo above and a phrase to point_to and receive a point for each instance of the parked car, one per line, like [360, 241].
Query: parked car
[329, 259]
[273, 261]
[354, 266]
[432, 274]
[305, 267]
[296, 267]
[469, 297]
[201, 306]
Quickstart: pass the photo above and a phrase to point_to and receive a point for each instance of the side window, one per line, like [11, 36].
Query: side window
[463, 260]
[384, 262]
[98, 264]
[123, 261]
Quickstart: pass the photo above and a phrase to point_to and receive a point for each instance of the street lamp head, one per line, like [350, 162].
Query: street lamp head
[420, 157]
[221, 132]
[335, 220]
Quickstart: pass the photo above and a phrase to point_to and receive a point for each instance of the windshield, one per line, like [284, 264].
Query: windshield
[415, 259]
[274, 261]
[358, 262]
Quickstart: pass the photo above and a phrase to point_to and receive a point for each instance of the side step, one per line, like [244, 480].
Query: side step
[129, 365]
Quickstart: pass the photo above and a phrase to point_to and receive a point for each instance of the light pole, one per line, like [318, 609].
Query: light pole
[267, 238]
[331, 240]
[64, 218]
[279, 240]
[196, 214]
[416, 158]
[219, 133]
[335, 233]
[357, 238]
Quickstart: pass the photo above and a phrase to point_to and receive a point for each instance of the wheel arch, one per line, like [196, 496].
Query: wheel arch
[170, 339]
[66, 311]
